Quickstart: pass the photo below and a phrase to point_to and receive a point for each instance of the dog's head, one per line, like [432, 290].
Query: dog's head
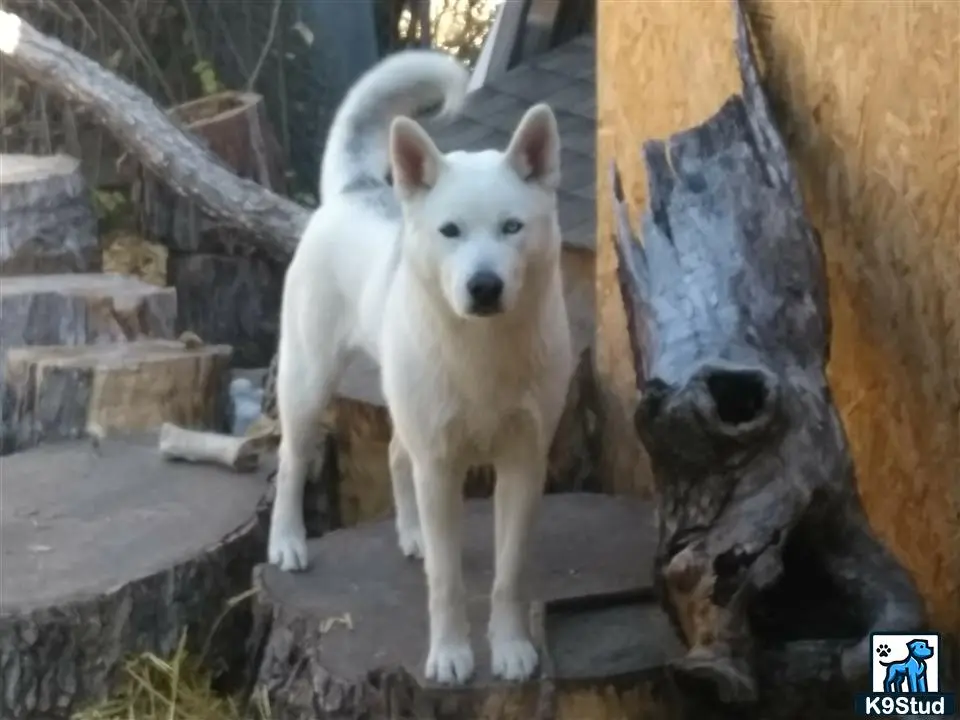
[478, 223]
[920, 649]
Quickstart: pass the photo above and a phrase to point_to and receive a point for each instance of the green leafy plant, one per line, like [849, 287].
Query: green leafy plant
[207, 75]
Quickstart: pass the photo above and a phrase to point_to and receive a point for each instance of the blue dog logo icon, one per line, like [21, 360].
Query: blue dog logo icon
[910, 672]
[906, 677]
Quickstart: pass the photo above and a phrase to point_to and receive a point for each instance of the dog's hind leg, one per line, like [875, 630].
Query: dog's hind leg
[409, 535]
[439, 490]
[304, 389]
[520, 481]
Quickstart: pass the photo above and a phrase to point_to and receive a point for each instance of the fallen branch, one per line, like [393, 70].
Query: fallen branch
[274, 222]
[241, 454]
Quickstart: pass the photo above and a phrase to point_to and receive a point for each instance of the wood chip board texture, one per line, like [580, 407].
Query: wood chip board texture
[868, 97]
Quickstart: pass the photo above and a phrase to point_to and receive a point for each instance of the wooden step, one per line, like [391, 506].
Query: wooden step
[110, 552]
[57, 392]
[350, 633]
[46, 216]
[82, 309]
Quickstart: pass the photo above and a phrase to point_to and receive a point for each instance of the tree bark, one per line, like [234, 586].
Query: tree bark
[108, 553]
[274, 222]
[764, 546]
[46, 217]
[59, 393]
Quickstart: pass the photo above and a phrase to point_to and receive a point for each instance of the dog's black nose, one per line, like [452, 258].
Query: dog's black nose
[486, 289]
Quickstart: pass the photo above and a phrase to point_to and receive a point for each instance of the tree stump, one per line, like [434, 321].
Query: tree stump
[765, 558]
[46, 216]
[76, 309]
[347, 638]
[82, 309]
[110, 551]
[228, 292]
[55, 392]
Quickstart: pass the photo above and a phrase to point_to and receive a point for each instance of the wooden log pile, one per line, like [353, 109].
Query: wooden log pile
[228, 291]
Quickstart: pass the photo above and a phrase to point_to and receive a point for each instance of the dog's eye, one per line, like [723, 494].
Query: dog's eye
[450, 230]
[511, 227]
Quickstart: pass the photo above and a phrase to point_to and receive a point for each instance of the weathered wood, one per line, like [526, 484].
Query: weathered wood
[274, 222]
[234, 127]
[764, 547]
[347, 638]
[82, 309]
[59, 392]
[77, 309]
[108, 551]
[230, 300]
[47, 222]
[228, 291]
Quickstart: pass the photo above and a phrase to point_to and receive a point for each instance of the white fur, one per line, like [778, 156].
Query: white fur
[462, 389]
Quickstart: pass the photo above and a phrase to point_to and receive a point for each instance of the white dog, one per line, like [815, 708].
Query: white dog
[451, 280]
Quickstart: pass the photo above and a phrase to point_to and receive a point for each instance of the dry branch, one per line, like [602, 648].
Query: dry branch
[274, 222]
[766, 561]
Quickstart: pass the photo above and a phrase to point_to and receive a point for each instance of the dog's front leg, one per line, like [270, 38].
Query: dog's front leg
[439, 492]
[520, 481]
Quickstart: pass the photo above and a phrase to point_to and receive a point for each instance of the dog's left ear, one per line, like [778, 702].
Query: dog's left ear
[534, 150]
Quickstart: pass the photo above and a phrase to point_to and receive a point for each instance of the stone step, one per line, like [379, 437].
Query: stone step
[58, 392]
[47, 222]
[82, 309]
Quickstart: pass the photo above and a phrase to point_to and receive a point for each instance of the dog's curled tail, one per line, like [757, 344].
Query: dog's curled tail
[410, 82]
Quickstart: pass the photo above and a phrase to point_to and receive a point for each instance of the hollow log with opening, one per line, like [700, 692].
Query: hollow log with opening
[765, 557]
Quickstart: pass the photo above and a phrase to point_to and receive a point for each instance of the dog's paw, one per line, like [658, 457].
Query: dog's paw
[411, 542]
[450, 663]
[513, 658]
[287, 548]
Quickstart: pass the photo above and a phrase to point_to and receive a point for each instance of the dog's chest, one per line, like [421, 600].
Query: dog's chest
[495, 401]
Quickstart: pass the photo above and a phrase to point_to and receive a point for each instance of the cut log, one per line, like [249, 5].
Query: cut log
[229, 300]
[274, 222]
[83, 309]
[77, 309]
[764, 545]
[47, 223]
[55, 393]
[108, 552]
[234, 127]
[347, 638]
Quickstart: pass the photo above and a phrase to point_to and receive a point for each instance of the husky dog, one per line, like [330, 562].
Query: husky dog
[451, 280]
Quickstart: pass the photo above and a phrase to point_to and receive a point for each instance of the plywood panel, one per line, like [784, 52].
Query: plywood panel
[868, 95]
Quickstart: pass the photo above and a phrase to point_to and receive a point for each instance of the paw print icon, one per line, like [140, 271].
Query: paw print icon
[883, 650]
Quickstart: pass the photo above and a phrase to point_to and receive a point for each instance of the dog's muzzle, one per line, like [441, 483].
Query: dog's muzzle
[486, 293]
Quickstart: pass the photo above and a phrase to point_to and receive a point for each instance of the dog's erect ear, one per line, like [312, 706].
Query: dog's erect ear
[414, 159]
[534, 150]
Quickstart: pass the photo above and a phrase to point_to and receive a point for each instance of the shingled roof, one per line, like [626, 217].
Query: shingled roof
[566, 79]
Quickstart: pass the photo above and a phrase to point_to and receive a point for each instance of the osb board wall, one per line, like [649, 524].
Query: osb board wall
[868, 95]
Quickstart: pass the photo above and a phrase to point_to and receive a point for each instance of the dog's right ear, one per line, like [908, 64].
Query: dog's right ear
[414, 158]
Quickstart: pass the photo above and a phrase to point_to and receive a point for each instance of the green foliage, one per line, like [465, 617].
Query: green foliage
[207, 75]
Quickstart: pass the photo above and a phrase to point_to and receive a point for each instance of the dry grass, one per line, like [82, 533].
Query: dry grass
[127, 253]
[178, 688]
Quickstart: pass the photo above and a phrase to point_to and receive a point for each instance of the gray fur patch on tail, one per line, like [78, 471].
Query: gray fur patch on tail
[376, 193]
